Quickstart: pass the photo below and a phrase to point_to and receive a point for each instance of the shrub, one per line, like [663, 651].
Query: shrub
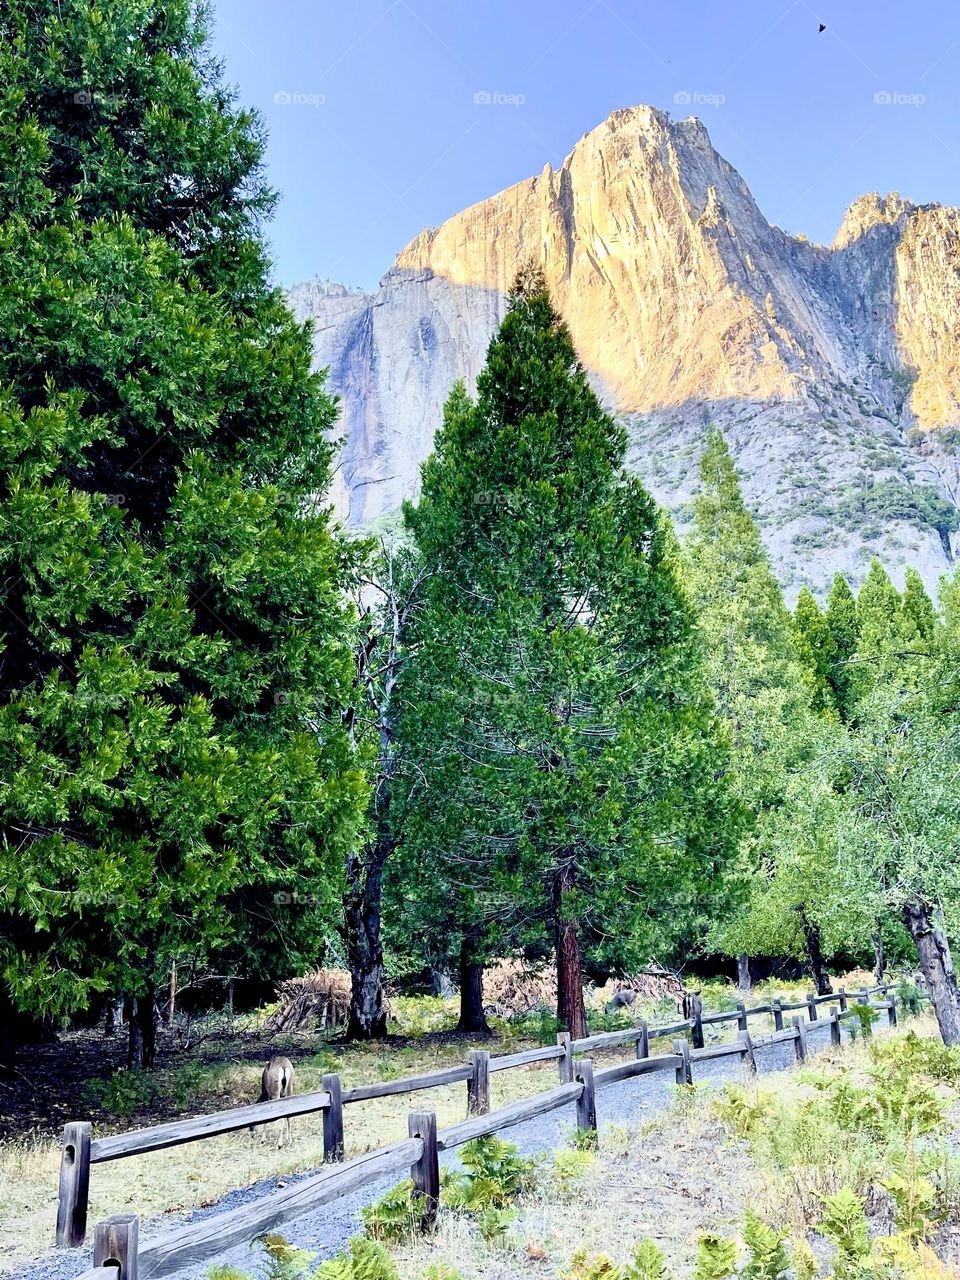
[396, 1216]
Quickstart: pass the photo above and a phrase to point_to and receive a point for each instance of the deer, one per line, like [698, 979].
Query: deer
[277, 1081]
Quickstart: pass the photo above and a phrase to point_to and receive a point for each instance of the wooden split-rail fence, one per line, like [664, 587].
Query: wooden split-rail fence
[117, 1254]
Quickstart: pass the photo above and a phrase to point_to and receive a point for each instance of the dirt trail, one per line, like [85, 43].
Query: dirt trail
[326, 1230]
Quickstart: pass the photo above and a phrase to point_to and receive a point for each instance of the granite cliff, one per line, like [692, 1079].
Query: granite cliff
[833, 371]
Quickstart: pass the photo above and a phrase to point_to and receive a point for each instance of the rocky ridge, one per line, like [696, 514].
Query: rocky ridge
[833, 371]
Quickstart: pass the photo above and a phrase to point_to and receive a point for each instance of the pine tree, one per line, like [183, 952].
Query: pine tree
[766, 698]
[918, 618]
[176, 646]
[816, 648]
[841, 617]
[559, 673]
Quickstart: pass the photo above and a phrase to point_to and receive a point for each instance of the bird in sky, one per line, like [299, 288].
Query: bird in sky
[823, 27]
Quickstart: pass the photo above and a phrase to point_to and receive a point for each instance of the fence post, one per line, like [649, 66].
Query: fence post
[749, 1057]
[800, 1044]
[587, 1102]
[115, 1243]
[892, 1010]
[685, 1066]
[835, 1036]
[566, 1062]
[742, 1016]
[333, 1120]
[425, 1174]
[864, 996]
[812, 1006]
[643, 1041]
[478, 1086]
[842, 997]
[777, 1010]
[74, 1184]
[696, 1017]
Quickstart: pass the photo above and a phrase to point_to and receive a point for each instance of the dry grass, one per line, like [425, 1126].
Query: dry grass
[183, 1178]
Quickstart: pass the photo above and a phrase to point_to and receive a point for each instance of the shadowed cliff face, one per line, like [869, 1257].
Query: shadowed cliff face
[832, 370]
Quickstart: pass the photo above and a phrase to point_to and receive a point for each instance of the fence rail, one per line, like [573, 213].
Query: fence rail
[118, 1257]
[80, 1151]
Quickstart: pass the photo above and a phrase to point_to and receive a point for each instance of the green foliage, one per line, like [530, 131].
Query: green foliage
[716, 1258]
[396, 1216]
[122, 1094]
[741, 1110]
[769, 1259]
[175, 643]
[556, 703]
[649, 1262]
[284, 1260]
[568, 1168]
[494, 1174]
[845, 1224]
[361, 1260]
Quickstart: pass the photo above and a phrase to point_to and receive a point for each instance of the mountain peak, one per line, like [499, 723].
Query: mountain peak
[869, 211]
[686, 307]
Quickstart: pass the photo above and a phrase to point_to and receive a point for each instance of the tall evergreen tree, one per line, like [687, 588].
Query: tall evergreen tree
[175, 643]
[560, 671]
[761, 690]
[816, 649]
[841, 618]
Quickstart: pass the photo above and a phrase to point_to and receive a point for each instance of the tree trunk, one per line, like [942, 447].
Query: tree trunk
[570, 1007]
[172, 994]
[142, 1041]
[471, 984]
[744, 981]
[880, 958]
[936, 965]
[134, 1035]
[231, 984]
[814, 947]
[367, 1019]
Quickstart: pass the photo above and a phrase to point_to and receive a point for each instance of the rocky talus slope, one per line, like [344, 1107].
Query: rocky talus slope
[834, 371]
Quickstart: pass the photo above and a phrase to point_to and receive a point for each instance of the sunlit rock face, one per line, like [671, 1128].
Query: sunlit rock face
[834, 371]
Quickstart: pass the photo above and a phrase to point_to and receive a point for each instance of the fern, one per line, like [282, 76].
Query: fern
[845, 1224]
[768, 1254]
[716, 1258]
[648, 1263]
[396, 1216]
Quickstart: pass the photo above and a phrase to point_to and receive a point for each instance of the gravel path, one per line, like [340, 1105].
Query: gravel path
[326, 1230]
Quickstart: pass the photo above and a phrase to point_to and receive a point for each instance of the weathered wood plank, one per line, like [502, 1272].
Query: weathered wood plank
[425, 1172]
[672, 1030]
[719, 1050]
[638, 1067]
[506, 1117]
[587, 1102]
[115, 1242]
[174, 1134]
[187, 1246]
[609, 1039]
[408, 1084]
[776, 1037]
[478, 1086]
[74, 1192]
[111, 1271]
[508, 1060]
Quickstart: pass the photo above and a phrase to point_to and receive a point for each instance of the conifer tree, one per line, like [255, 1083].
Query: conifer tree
[841, 617]
[560, 674]
[175, 643]
[816, 648]
[762, 691]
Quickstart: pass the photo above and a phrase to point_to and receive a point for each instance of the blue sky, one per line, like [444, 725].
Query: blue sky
[382, 136]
